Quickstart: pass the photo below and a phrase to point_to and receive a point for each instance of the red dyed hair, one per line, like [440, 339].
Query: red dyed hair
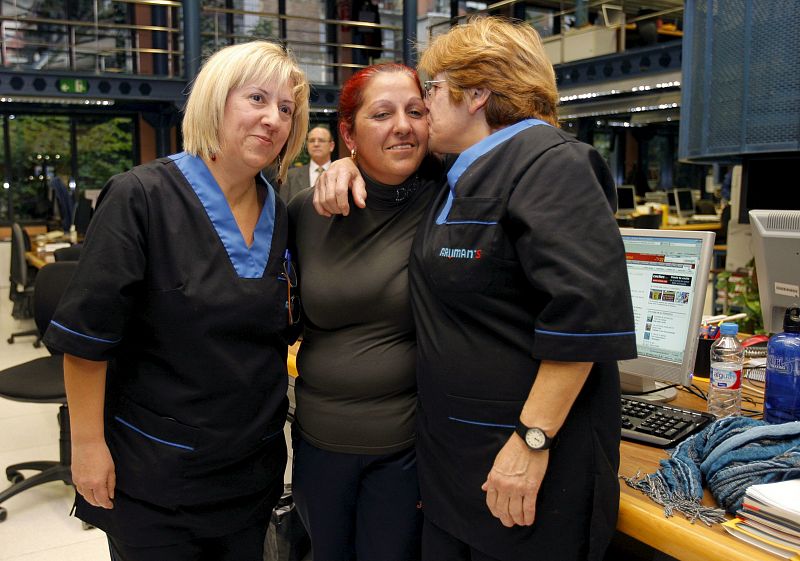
[352, 95]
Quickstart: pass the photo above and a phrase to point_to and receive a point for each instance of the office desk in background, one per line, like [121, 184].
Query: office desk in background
[642, 519]
[697, 226]
[37, 259]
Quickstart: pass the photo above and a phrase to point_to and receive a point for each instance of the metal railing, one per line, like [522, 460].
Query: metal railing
[101, 44]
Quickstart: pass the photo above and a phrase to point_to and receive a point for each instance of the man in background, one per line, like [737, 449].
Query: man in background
[319, 144]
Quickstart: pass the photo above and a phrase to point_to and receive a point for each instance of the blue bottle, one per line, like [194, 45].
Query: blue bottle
[782, 395]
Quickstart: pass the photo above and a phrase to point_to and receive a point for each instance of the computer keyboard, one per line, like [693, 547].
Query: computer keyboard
[701, 218]
[658, 424]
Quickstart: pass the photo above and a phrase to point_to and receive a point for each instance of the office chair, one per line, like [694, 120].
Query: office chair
[22, 282]
[82, 215]
[650, 221]
[41, 381]
[71, 253]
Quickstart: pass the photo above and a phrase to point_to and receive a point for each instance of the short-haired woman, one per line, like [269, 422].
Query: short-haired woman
[522, 308]
[175, 366]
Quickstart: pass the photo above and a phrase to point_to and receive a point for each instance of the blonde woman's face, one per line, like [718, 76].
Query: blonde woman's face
[256, 124]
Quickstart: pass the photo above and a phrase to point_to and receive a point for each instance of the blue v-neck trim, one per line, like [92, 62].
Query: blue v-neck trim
[468, 157]
[249, 262]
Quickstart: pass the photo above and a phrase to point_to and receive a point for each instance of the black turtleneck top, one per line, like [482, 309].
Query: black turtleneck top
[356, 392]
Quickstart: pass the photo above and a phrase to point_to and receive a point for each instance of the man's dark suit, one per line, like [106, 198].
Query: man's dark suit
[296, 181]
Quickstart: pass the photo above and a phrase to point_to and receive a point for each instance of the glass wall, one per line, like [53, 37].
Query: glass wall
[48, 153]
[89, 35]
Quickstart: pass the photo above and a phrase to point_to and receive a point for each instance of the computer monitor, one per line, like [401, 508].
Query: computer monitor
[626, 199]
[668, 276]
[673, 206]
[684, 202]
[776, 248]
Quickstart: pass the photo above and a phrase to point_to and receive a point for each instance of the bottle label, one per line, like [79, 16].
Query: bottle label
[781, 365]
[725, 378]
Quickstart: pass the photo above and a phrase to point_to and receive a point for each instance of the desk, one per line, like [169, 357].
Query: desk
[666, 31]
[699, 226]
[642, 519]
[39, 260]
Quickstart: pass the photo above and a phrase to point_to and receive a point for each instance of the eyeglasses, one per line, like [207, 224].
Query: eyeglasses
[429, 85]
[290, 276]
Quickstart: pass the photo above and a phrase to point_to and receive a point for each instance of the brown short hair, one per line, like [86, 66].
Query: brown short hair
[505, 57]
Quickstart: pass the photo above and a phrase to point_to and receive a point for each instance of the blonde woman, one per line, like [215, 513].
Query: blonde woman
[175, 366]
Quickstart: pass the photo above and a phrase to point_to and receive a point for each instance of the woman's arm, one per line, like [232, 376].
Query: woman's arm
[92, 467]
[514, 480]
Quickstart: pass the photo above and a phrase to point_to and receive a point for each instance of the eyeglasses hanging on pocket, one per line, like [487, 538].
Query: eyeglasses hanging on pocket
[289, 275]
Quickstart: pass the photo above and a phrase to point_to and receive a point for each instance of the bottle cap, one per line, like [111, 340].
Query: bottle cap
[729, 329]
[791, 320]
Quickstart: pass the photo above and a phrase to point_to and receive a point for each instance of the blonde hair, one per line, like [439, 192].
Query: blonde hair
[233, 67]
[505, 57]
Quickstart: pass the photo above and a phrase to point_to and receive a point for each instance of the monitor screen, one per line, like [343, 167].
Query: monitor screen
[668, 275]
[684, 202]
[626, 199]
[671, 200]
[776, 248]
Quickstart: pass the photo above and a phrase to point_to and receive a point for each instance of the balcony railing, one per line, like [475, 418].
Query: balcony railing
[123, 44]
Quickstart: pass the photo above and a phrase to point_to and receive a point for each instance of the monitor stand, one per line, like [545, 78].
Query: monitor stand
[634, 386]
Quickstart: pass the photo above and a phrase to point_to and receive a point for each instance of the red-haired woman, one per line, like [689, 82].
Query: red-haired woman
[355, 479]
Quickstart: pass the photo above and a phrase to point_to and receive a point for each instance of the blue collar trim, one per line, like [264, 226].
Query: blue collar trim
[249, 262]
[468, 157]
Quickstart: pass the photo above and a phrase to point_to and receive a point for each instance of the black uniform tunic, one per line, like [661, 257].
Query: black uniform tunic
[189, 318]
[521, 261]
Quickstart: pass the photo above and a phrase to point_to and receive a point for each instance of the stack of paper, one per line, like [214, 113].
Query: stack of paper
[770, 518]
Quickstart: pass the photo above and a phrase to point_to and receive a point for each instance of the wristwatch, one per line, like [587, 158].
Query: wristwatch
[534, 437]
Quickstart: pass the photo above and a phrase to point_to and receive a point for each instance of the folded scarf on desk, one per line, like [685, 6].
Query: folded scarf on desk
[727, 456]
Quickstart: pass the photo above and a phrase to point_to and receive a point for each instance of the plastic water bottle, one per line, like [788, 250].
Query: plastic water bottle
[782, 394]
[725, 379]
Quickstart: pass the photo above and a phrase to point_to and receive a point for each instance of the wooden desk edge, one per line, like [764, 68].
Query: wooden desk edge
[676, 536]
[33, 258]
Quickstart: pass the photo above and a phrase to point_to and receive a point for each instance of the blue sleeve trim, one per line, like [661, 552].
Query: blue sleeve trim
[151, 437]
[481, 424]
[614, 334]
[98, 339]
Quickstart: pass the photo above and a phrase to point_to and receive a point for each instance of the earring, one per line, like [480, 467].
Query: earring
[354, 155]
[213, 157]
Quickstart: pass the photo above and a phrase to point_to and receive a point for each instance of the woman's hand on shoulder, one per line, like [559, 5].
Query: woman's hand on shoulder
[93, 473]
[333, 186]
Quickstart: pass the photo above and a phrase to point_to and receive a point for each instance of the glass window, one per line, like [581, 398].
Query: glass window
[105, 148]
[39, 151]
[307, 38]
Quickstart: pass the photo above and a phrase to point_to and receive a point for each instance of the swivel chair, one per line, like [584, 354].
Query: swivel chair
[71, 253]
[22, 279]
[41, 381]
[82, 215]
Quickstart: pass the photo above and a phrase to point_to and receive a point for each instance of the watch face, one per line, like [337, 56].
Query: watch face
[535, 438]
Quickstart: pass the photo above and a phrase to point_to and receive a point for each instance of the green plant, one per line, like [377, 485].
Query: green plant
[738, 292]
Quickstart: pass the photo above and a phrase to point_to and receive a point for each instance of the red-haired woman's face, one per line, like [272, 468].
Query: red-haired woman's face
[390, 131]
